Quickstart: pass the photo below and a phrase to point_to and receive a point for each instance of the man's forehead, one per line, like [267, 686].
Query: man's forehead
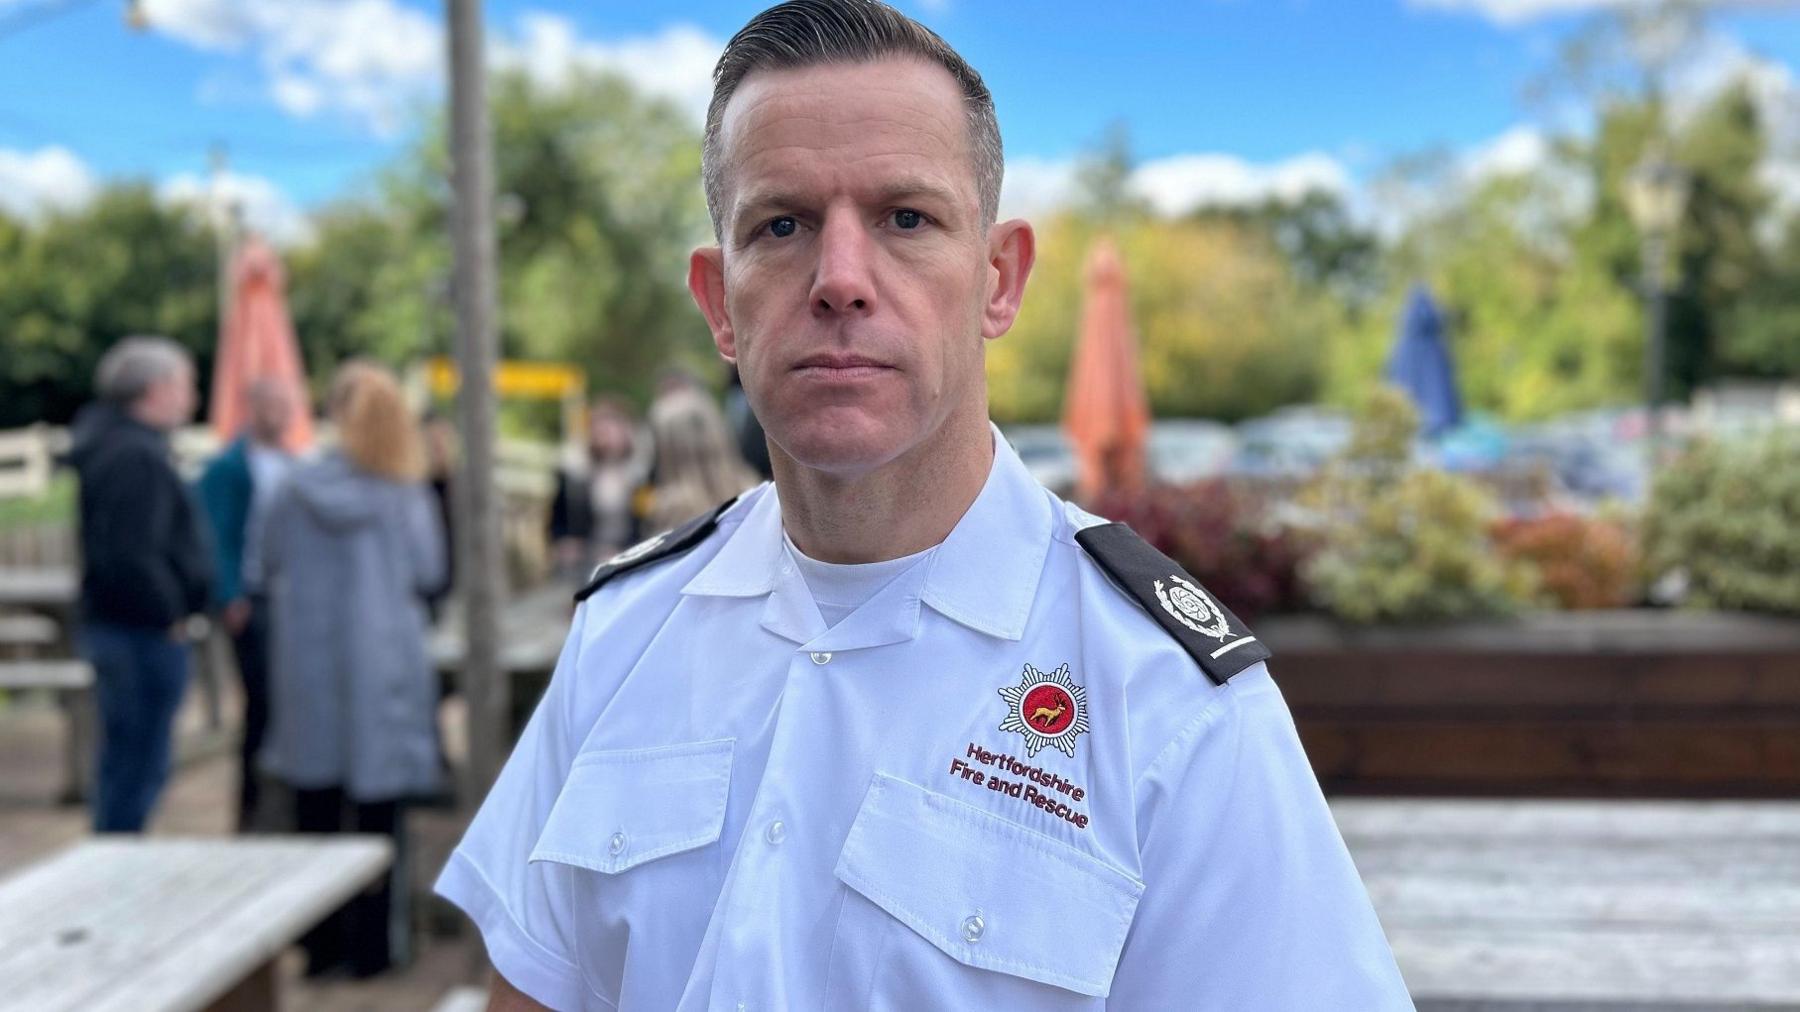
[903, 106]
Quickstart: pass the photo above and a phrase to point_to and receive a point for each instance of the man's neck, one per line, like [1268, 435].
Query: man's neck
[901, 508]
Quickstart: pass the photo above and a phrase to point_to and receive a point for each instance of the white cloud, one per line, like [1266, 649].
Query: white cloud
[56, 179]
[375, 60]
[1517, 12]
[1520, 150]
[1035, 186]
[265, 207]
[208, 24]
[48, 179]
[369, 59]
[676, 63]
[1514, 12]
[1181, 183]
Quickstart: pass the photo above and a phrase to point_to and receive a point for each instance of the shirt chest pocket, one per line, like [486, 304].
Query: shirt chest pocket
[636, 832]
[951, 907]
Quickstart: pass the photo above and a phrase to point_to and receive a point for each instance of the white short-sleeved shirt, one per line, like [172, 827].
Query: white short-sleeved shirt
[723, 804]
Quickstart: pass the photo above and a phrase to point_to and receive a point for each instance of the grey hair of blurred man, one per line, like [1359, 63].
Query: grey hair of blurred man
[130, 368]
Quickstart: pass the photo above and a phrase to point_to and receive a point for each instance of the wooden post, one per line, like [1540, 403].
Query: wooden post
[480, 563]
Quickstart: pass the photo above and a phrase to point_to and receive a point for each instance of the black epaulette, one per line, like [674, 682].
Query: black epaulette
[1209, 632]
[662, 546]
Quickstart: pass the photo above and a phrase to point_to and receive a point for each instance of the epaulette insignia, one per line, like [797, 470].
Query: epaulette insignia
[1212, 635]
[654, 549]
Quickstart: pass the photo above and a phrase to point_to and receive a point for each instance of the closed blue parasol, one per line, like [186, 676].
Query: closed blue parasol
[1420, 364]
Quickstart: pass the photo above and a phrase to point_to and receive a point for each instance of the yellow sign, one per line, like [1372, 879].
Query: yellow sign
[549, 380]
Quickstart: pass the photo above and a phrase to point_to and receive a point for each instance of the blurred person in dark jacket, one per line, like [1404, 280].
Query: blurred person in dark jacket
[145, 569]
[351, 547]
[236, 489]
[441, 453]
[594, 513]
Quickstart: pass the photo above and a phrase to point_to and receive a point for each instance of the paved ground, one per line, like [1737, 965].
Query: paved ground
[199, 802]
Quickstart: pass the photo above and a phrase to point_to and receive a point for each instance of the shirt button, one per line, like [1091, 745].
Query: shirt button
[617, 845]
[821, 658]
[972, 927]
[776, 833]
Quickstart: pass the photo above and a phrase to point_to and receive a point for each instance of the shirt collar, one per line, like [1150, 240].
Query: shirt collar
[984, 575]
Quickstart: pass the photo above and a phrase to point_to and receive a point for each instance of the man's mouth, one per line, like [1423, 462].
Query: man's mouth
[840, 366]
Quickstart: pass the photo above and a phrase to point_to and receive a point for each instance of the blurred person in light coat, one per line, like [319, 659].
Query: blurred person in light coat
[352, 544]
[698, 464]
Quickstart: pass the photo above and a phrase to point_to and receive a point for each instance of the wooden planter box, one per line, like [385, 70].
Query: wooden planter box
[1600, 704]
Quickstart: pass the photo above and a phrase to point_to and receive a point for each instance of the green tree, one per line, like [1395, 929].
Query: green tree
[599, 206]
[77, 281]
[1224, 328]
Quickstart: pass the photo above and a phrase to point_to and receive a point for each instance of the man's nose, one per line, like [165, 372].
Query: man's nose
[844, 282]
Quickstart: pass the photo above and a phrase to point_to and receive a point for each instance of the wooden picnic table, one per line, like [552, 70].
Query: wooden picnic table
[1584, 904]
[146, 924]
[533, 627]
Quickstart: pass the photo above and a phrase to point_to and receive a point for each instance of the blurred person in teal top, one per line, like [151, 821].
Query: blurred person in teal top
[236, 489]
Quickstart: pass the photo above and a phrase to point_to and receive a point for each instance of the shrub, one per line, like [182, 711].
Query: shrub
[1725, 521]
[1581, 562]
[1398, 543]
[1214, 530]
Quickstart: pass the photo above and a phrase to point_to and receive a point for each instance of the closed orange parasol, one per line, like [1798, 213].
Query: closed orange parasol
[1105, 412]
[257, 343]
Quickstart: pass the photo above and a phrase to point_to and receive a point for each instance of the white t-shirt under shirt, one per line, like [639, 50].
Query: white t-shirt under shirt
[840, 589]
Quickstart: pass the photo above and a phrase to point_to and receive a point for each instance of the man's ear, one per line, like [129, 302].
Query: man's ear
[1012, 249]
[706, 282]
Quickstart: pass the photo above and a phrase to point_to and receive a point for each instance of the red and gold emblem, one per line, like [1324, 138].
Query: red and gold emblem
[1047, 709]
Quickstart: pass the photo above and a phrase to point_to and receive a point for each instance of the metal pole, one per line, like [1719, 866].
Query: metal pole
[223, 240]
[477, 338]
[1656, 324]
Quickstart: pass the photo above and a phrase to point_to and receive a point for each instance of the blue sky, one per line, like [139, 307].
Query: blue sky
[1224, 99]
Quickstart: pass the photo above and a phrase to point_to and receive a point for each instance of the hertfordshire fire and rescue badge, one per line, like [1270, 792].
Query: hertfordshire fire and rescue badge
[1047, 709]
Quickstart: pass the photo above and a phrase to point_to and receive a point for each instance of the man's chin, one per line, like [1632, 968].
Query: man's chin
[845, 450]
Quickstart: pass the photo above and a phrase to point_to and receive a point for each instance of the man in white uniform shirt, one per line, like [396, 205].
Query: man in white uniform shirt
[901, 730]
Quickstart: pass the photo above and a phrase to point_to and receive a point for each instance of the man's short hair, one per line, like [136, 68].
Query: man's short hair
[136, 364]
[804, 33]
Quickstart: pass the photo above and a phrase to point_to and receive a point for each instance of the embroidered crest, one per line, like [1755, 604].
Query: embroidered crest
[635, 552]
[1047, 709]
[1190, 606]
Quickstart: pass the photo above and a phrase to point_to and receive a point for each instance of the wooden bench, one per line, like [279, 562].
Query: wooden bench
[1560, 905]
[170, 924]
[29, 634]
[462, 999]
[72, 681]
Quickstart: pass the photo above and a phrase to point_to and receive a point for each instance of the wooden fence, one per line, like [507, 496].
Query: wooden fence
[28, 462]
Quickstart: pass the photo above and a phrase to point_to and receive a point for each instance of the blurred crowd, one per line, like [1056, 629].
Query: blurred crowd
[326, 570]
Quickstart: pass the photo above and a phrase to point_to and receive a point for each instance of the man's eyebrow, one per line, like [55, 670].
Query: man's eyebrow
[897, 192]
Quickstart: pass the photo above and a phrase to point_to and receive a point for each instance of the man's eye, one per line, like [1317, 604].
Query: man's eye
[781, 228]
[908, 219]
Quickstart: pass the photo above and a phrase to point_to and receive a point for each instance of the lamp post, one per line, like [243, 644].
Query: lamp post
[1656, 195]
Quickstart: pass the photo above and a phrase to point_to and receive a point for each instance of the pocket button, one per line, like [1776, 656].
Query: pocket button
[972, 928]
[617, 845]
